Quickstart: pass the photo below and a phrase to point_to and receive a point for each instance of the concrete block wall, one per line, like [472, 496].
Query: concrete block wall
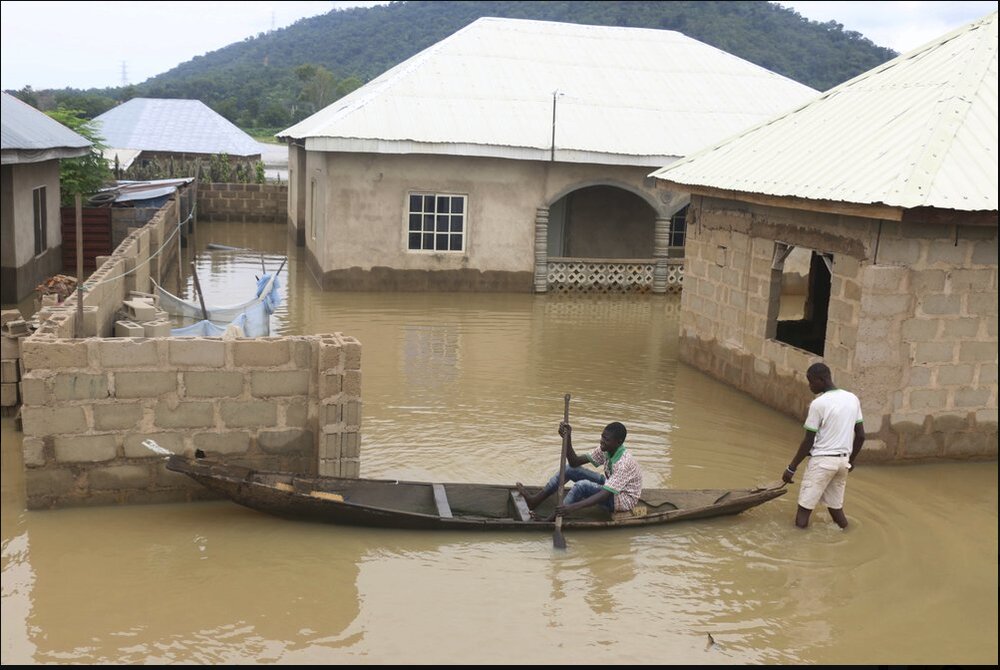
[10, 360]
[290, 403]
[912, 325]
[937, 288]
[129, 268]
[123, 219]
[253, 203]
[285, 403]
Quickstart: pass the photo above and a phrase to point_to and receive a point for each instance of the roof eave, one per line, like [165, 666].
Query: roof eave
[26, 156]
[906, 215]
[469, 149]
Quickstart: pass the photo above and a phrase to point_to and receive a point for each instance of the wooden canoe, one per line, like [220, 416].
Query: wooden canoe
[390, 503]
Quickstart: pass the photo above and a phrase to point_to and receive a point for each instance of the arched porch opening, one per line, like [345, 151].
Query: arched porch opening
[601, 222]
[608, 239]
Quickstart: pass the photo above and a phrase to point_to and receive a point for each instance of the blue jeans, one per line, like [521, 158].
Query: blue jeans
[587, 483]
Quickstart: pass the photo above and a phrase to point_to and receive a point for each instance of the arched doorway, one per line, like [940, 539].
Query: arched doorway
[609, 239]
[604, 222]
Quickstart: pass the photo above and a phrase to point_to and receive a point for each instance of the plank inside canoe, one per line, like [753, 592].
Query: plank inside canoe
[441, 500]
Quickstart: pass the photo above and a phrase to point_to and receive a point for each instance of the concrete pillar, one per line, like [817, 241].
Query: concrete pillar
[661, 246]
[542, 250]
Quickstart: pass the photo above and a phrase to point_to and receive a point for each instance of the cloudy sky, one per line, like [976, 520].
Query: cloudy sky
[98, 44]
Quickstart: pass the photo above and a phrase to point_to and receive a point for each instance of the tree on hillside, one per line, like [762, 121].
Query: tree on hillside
[319, 86]
[84, 175]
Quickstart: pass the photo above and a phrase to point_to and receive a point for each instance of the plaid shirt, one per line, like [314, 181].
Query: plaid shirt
[622, 476]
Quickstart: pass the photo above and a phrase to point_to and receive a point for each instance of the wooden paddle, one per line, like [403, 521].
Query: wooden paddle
[558, 541]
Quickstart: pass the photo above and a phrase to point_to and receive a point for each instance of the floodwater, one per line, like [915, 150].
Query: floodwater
[469, 387]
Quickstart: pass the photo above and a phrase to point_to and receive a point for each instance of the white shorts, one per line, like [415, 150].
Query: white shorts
[824, 481]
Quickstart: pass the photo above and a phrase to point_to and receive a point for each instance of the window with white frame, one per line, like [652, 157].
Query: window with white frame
[436, 222]
[41, 220]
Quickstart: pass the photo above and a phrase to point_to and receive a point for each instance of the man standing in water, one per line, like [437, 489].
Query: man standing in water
[618, 489]
[834, 436]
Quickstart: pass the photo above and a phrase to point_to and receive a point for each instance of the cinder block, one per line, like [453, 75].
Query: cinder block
[139, 310]
[151, 298]
[8, 395]
[85, 448]
[10, 347]
[129, 329]
[10, 315]
[157, 328]
[9, 373]
[89, 321]
[16, 328]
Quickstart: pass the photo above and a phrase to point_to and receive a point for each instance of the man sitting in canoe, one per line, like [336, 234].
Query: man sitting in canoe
[617, 490]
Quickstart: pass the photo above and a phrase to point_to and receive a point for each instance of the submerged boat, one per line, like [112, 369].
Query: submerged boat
[390, 503]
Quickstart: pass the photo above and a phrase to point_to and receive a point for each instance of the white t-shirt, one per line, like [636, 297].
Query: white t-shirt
[832, 416]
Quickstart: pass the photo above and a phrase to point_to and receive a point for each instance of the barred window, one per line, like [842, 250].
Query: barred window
[678, 227]
[436, 222]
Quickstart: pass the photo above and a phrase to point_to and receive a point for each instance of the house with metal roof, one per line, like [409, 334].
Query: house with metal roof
[30, 228]
[514, 155]
[149, 129]
[889, 182]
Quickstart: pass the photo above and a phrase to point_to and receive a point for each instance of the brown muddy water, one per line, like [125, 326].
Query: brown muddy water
[469, 387]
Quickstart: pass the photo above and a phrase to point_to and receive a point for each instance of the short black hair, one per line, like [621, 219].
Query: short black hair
[617, 430]
[819, 371]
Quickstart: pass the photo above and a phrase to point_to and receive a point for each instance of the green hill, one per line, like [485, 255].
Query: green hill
[279, 77]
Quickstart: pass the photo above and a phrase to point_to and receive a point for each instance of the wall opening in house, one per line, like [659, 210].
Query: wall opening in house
[312, 208]
[678, 231]
[601, 222]
[799, 297]
[41, 218]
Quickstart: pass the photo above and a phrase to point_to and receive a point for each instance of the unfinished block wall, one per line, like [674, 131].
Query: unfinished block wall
[911, 327]
[270, 403]
[253, 203]
[88, 403]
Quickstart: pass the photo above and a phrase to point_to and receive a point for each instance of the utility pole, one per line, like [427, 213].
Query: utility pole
[552, 151]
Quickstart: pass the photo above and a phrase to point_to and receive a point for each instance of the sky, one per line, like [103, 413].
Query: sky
[106, 44]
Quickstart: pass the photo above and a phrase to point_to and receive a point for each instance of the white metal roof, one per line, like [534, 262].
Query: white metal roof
[177, 126]
[625, 96]
[29, 136]
[918, 131]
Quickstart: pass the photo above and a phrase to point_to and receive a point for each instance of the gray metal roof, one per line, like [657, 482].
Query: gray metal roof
[29, 136]
[918, 131]
[628, 96]
[176, 126]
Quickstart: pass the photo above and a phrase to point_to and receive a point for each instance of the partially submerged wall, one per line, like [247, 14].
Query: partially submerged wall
[271, 403]
[289, 403]
[911, 328]
[243, 203]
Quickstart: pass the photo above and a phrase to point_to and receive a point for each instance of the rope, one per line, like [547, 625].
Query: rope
[90, 286]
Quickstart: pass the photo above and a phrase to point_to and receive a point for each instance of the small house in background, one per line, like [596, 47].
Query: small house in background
[30, 236]
[149, 136]
[514, 155]
[889, 181]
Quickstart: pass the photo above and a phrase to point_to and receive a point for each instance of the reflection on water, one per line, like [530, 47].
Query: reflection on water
[467, 387]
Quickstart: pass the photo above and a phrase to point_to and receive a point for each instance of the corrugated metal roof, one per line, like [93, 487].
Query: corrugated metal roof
[625, 95]
[918, 131]
[29, 136]
[177, 126]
